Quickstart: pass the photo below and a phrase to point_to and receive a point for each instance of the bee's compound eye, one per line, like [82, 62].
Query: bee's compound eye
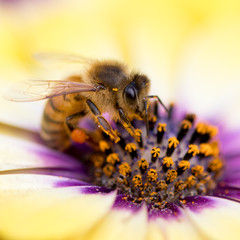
[130, 94]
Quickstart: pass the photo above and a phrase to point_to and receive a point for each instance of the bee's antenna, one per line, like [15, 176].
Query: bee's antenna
[146, 116]
[160, 101]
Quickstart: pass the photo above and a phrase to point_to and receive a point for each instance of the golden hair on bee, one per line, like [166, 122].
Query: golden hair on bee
[104, 86]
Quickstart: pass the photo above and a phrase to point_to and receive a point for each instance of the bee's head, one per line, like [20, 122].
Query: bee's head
[135, 92]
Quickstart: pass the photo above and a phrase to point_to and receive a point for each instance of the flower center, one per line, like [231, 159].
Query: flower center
[179, 158]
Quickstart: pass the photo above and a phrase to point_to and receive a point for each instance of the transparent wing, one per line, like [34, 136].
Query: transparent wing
[34, 90]
[58, 58]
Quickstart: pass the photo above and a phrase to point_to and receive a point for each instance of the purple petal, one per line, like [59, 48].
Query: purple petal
[171, 211]
[230, 143]
[122, 202]
[198, 203]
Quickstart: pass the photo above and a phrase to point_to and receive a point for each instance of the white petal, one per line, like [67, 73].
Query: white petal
[18, 153]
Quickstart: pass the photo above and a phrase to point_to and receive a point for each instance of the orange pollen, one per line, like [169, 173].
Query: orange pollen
[98, 160]
[155, 151]
[206, 149]
[186, 124]
[109, 170]
[197, 170]
[168, 162]
[152, 118]
[161, 127]
[130, 147]
[215, 165]
[193, 149]
[113, 158]
[215, 148]
[103, 145]
[138, 132]
[124, 169]
[152, 175]
[142, 163]
[171, 175]
[201, 128]
[173, 142]
[79, 136]
[212, 130]
[184, 165]
[162, 185]
[191, 181]
[137, 181]
[180, 185]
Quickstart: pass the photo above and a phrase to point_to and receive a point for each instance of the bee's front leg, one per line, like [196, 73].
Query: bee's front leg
[126, 122]
[103, 123]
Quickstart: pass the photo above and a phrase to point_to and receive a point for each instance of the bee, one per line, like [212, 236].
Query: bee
[103, 86]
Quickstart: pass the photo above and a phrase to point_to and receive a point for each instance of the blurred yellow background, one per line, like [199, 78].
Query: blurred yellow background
[189, 48]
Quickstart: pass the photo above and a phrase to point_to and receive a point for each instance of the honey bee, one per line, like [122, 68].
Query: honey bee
[104, 86]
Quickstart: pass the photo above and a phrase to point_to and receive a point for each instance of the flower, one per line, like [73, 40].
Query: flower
[52, 199]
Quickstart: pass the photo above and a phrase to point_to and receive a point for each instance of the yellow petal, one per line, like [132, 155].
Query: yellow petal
[179, 228]
[121, 224]
[49, 214]
[220, 221]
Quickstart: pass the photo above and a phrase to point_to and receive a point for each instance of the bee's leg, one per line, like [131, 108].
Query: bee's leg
[72, 120]
[77, 134]
[159, 100]
[80, 135]
[126, 122]
[103, 123]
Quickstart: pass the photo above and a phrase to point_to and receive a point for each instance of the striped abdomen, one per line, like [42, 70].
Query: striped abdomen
[54, 130]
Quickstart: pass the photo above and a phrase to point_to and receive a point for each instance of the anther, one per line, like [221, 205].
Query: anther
[124, 169]
[185, 126]
[143, 165]
[109, 170]
[132, 149]
[161, 185]
[191, 181]
[137, 181]
[180, 185]
[113, 158]
[152, 175]
[172, 145]
[200, 130]
[105, 147]
[151, 121]
[161, 129]
[167, 163]
[190, 117]
[171, 175]
[192, 151]
[215, 148]
[97, 160]
[215, 165]
[205, 150]
[197, 170]
[155, 152]
[211, 131]
[183, 166]
[138, 137]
